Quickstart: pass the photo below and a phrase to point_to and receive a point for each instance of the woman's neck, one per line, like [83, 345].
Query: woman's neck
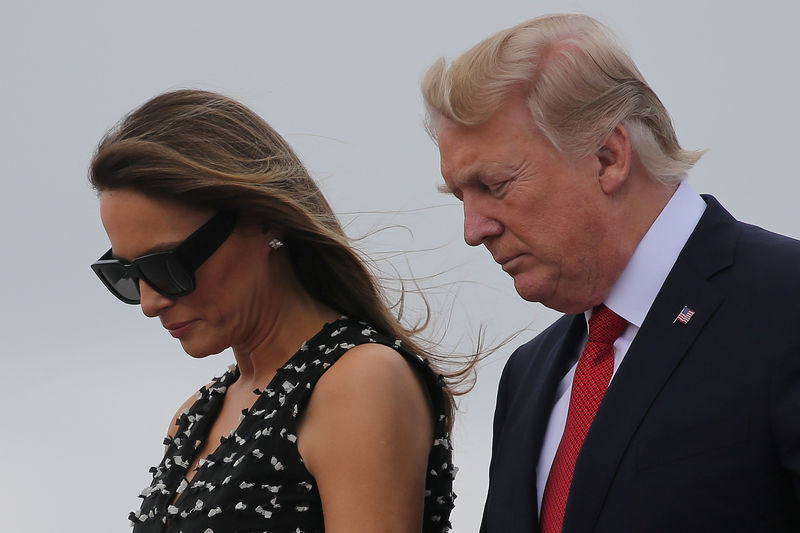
[278, 334]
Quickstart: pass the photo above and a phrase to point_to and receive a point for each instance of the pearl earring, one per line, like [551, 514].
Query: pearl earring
[275, 244]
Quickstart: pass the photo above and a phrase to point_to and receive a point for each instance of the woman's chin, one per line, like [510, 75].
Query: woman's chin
[199, 350]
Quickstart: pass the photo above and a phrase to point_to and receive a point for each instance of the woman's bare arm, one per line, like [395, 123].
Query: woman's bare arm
[365, 437]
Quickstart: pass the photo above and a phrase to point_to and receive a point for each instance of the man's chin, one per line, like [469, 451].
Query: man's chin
[545, 293]
[532, 290]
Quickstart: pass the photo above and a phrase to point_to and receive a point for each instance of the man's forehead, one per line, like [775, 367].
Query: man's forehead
[446, 127]
[457, 154]
[468, 151]
[458, 142]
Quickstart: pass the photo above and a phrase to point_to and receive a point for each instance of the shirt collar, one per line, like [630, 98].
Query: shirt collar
[637, 287]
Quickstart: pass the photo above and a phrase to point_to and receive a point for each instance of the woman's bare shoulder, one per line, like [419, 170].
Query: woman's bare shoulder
[370, 393]
[366, 437]
[372, 366]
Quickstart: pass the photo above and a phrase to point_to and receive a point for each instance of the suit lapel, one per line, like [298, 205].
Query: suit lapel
[657, 349]
[514, 499]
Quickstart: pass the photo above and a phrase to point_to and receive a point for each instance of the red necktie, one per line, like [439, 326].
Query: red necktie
[595, 367]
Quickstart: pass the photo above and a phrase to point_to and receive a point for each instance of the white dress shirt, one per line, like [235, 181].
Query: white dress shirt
[631, 298]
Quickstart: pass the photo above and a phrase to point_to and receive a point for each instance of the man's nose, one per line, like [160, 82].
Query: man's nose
[479, 223]
[153, 302]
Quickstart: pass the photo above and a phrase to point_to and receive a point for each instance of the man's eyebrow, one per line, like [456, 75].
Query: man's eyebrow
[444, 188]
[464, 177]
[475, 174]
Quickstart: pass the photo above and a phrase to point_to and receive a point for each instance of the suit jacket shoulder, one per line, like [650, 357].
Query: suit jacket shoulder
[699, 428]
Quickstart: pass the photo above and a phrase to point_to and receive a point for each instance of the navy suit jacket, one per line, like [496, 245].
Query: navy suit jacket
[699, 430]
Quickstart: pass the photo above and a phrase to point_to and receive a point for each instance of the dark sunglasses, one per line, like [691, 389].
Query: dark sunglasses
[169, 273]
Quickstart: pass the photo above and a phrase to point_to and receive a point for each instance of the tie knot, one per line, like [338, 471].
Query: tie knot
[605, 326]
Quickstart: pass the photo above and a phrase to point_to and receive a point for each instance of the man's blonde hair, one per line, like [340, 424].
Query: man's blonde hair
[581, 85]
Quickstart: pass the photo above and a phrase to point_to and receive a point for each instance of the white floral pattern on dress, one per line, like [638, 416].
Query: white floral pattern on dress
[256, 480]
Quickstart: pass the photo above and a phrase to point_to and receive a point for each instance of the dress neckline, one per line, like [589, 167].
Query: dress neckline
[213, 396]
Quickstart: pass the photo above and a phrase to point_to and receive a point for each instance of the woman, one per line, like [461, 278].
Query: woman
[329, 420]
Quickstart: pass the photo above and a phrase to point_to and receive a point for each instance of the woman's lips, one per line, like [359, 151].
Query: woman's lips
[180, 329]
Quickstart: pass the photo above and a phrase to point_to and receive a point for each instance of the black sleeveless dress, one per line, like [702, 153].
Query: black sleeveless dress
[255, 481]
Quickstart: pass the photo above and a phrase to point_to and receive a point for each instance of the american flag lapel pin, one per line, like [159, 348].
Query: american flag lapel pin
[684, 316]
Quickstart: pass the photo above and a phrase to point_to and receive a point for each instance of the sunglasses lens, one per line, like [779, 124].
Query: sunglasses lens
[164, 273]
[119, 281]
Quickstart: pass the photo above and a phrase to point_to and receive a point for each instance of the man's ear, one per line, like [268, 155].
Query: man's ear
[614, 160]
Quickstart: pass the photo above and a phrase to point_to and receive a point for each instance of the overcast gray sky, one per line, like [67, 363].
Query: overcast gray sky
[90, 384]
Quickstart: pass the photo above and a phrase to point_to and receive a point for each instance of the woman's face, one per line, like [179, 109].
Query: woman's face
[233, 285]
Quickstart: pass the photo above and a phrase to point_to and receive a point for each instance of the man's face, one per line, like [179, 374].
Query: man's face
[544, 219]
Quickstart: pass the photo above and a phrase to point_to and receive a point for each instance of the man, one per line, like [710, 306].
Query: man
[667, 398]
